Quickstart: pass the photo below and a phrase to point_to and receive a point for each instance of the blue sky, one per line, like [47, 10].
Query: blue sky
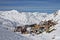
[30, 5]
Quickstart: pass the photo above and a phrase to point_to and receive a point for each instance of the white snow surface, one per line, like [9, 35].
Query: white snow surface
[13, 18]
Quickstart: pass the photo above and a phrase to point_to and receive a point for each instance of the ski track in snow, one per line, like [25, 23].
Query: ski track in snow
[11, 19]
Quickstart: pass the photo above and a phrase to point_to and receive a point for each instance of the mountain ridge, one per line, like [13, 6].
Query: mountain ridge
[13, 18]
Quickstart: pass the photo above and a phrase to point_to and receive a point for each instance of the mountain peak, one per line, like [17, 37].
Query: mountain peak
[14, 10]
[58, 12]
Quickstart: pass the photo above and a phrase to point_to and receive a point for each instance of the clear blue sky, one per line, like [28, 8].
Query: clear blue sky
[30, 5]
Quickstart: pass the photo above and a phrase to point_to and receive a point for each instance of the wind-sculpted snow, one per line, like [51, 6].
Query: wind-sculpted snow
[13, 18]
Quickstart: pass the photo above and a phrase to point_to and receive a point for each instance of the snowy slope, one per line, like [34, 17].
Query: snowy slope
[8, 35]
[10, 19]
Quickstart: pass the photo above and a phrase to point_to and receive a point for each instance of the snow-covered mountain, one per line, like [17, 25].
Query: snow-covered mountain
[23, 18]
[13, 18]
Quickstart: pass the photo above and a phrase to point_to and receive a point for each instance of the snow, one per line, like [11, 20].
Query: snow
[23, 18]
[13, 18]
[8, 35]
